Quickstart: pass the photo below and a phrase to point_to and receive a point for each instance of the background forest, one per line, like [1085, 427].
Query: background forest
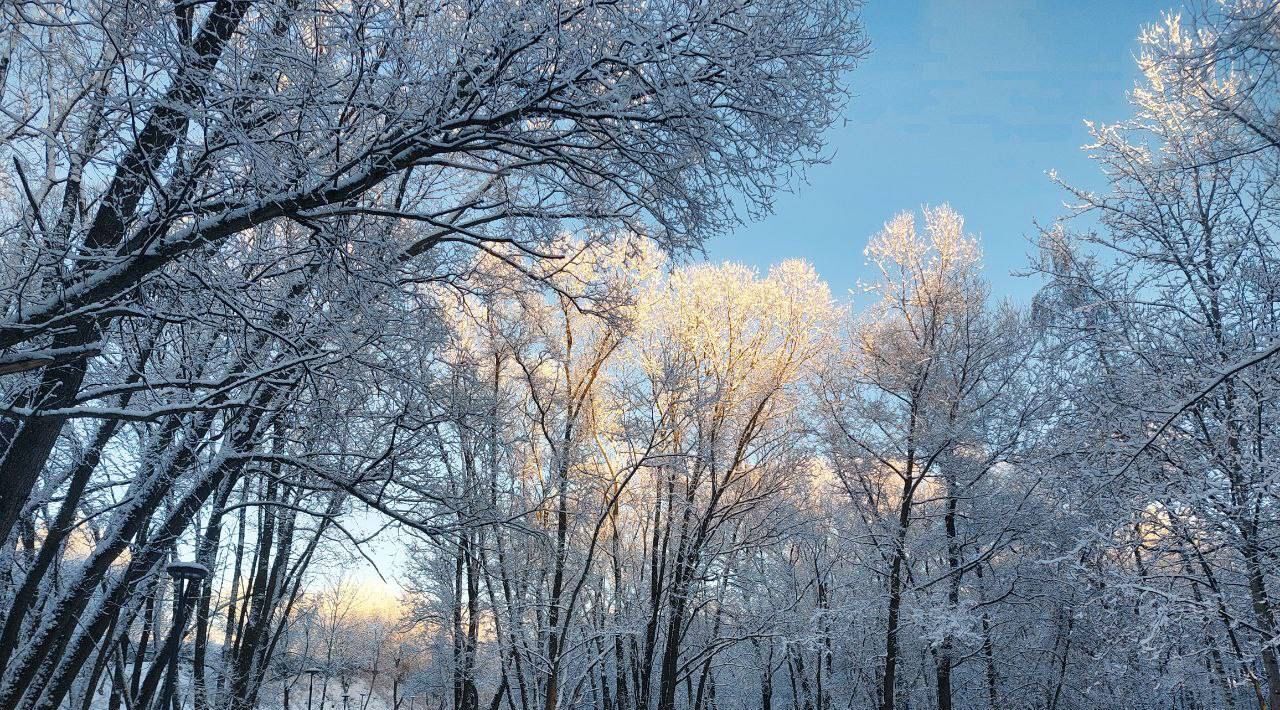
[286, 280]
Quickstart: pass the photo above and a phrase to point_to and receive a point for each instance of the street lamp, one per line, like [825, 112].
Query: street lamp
[311, 681]
[345, 700]
[186, 578]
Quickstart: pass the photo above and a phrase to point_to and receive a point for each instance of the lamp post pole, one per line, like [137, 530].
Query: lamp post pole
[311, 681]
[186, 575]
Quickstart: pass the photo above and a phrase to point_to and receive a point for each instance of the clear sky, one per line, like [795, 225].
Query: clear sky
[969, 102]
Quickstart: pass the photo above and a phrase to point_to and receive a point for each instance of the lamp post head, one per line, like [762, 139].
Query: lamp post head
[313, 670]
[187, 571]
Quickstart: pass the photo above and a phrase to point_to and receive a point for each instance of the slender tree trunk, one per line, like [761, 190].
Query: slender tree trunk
[888, 690]
[1265, 619]
[1066, 625]
[988, 649]
[766, 681]
[953, 596]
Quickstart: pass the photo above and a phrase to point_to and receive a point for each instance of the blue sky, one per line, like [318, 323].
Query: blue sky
[968, 102]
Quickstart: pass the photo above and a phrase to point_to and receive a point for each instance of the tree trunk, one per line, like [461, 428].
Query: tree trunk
[953, 596]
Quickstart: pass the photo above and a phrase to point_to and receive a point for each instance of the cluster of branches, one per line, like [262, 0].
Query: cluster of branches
[278, 273]
[731, 495]
[226, 239]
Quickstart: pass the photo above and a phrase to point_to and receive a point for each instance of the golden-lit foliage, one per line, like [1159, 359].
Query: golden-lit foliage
[929, 293]
[927, 279]
[737, 329]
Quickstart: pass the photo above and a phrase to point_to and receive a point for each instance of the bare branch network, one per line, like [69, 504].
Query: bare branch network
[304, 300]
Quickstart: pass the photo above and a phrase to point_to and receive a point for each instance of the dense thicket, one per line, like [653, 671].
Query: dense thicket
[283, 279]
